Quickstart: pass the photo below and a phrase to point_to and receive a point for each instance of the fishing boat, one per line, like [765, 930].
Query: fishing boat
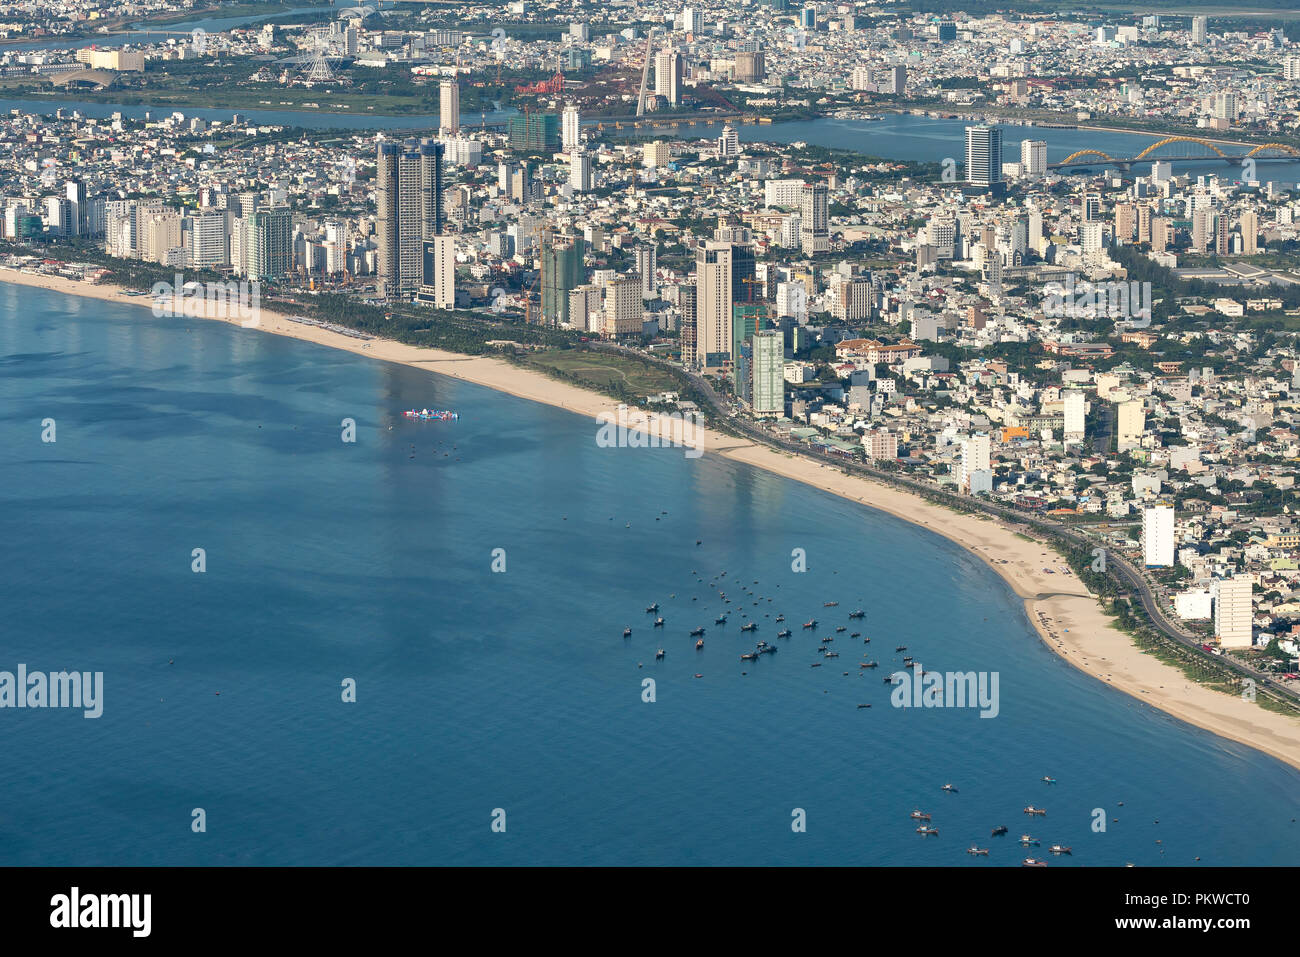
[999, 830]
[780, 618]
[927, 831]
[949, 787]
[696, 632]
[858, 614]
[752, 626]
[627, 632]
[889, 679]
[810, 623]
[1048, 780]
[784, 633]
[840, 629]
[829, 604]
[652, 608]
[749, 656]
[1027, 841]
[1031, 811]
[909, 664]
[659, 622]
[919, 815]
[831, 654]
[659, 654]
[699, 644]
[901, 648]
[857, 634]
[1058, 849]
[1033, 862]
[861, 706]
[441, 415]
[765, 649]
[869, 664]
[978, 850]
[720, 620]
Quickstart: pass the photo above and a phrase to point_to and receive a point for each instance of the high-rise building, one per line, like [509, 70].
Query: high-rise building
[687, 304]
[1249, 233]
[668, 76]
[714, 299]
[1075, 416]
[571, 125]
[728, 142]
[750, 66]
[205, 240]
[1033, 157]
[1130, 424]
[814, 219]
[439, 272]
[1233, 611]
[410, 220]
[976, 474]
[270, 243]
[562, 271]
[647, 262]
[1144, 224]
[580, 170]
[449, 107]
[1200, 29]
[1125, 223]
[1158, 536]
[386, 215]
[983, 155]
[76, 195]
[768, 364]
[537, 132]
[432, 188]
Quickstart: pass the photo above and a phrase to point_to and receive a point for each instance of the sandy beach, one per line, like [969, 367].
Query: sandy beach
[1068, 619]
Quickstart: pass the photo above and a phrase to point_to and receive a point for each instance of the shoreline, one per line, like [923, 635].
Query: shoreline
[1068, 619]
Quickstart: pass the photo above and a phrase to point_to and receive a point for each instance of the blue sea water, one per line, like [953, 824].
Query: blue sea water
[480, 690]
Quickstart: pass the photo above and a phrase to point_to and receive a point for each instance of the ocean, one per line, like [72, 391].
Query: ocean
[511, 695]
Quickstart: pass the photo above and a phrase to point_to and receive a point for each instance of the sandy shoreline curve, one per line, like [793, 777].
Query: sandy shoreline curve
[1068, 619]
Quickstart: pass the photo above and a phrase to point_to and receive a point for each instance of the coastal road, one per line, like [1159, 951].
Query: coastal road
[1117, 566]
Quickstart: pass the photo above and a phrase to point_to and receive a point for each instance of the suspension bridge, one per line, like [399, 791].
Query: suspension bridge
[1183, 149]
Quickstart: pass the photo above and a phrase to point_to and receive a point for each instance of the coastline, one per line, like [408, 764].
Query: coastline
[1068, 619]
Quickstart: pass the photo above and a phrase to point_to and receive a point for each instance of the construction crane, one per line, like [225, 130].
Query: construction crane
[645, 77]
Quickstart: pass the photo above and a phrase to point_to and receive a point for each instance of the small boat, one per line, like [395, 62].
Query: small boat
[861, 706]
[780, 618]
[749, 656]
[949, 787]
[696, 632]
[765, 649]
[831, 654]
[978, 850]
[784, 633]
[1000, 829]
[659, 622]
[810, 623]
[1031, 810]
[816, 664]
[827, 641]
[752, 626]
[856, 634]
[909, 664]
[1058, 849]
[1028, 841]
[720, 620]
[889, 679]
[1033, 862]
[829, 604]
[919, 815]
[869, 664]
[659, 654]
[901, 648]
[652, 609]
[927, 831]
[1048, 780]
[907, 658]
[699, 644]
[441, 415]
[627, 632]
[858, 614]
[841, 628]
